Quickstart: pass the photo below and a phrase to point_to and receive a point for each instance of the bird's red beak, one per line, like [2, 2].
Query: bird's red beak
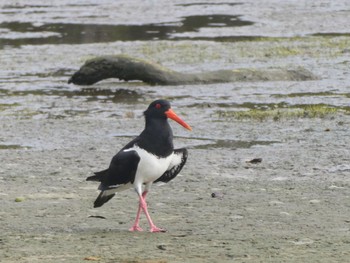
[172, 115]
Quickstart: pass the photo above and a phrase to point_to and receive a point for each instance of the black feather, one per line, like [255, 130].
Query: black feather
[101, 199]
[175, 170]
[98, 177]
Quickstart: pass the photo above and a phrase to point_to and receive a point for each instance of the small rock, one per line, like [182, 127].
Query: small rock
[92, 258]
[275, 203]
[284, 213]
[217, 195]
[303, 241]
[19, 199]
[255, 160]
[100, 217]
[130, 115]
[161, 247]
[334, 187]
[314, 201]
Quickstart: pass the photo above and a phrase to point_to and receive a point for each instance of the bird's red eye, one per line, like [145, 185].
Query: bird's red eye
[158, 106]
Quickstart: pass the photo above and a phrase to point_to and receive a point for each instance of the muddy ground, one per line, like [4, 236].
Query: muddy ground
[293, 206]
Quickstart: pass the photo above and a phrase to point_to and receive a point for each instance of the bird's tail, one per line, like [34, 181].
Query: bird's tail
[102, 198]
[107, 190]
[98, 176]
[105, 194]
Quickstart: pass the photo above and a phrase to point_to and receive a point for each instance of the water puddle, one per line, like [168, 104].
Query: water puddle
[204, 143]
[231, 144]
[19, 33]
[91, 94]
[236, 105]
[312, 94]
[210, 4]
[274, 106]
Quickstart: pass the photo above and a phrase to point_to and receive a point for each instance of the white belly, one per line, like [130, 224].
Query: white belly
[150, 167]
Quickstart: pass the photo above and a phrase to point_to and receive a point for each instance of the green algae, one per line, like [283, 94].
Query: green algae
[4, 106]
[12, 147]
[286, 112]
[311, 94]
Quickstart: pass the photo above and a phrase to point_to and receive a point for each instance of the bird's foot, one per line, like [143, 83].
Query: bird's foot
[155, 229]
[136, 228]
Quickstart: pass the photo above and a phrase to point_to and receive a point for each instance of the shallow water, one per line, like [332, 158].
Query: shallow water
[41, 49]
[18, 33]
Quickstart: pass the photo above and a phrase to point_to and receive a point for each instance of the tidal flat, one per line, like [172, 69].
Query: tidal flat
[291, 206]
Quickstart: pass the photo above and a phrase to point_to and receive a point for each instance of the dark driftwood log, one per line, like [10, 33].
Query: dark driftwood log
[128, 68]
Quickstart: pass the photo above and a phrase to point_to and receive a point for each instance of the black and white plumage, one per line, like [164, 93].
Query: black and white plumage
[148, 159]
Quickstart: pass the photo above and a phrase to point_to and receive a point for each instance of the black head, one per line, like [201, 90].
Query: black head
[160, 109]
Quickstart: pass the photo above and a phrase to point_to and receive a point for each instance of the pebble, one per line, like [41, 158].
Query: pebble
[314, 201]
[161, 247]
[275, 202]
[255, 160]
[19, 199]
[284, 213]
[217, 195]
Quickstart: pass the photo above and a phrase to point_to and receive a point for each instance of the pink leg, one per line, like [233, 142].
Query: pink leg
[143, 205]
[136, 226]
[144, 195]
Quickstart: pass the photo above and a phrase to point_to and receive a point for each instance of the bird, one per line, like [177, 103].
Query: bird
[149, 158]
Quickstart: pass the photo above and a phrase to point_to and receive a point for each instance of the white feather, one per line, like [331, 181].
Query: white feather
[176, 160]
[117, 188]
[150, 167]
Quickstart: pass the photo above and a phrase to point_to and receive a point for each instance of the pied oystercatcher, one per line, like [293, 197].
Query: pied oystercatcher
[147, 159]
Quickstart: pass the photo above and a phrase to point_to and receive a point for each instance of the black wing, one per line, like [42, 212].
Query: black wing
[122, 170]
[179, 160]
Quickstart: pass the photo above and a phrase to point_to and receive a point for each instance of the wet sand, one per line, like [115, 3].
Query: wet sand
[290, 207]
[293, 206]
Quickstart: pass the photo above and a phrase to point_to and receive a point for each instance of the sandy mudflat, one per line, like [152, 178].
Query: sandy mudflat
[293, 206]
